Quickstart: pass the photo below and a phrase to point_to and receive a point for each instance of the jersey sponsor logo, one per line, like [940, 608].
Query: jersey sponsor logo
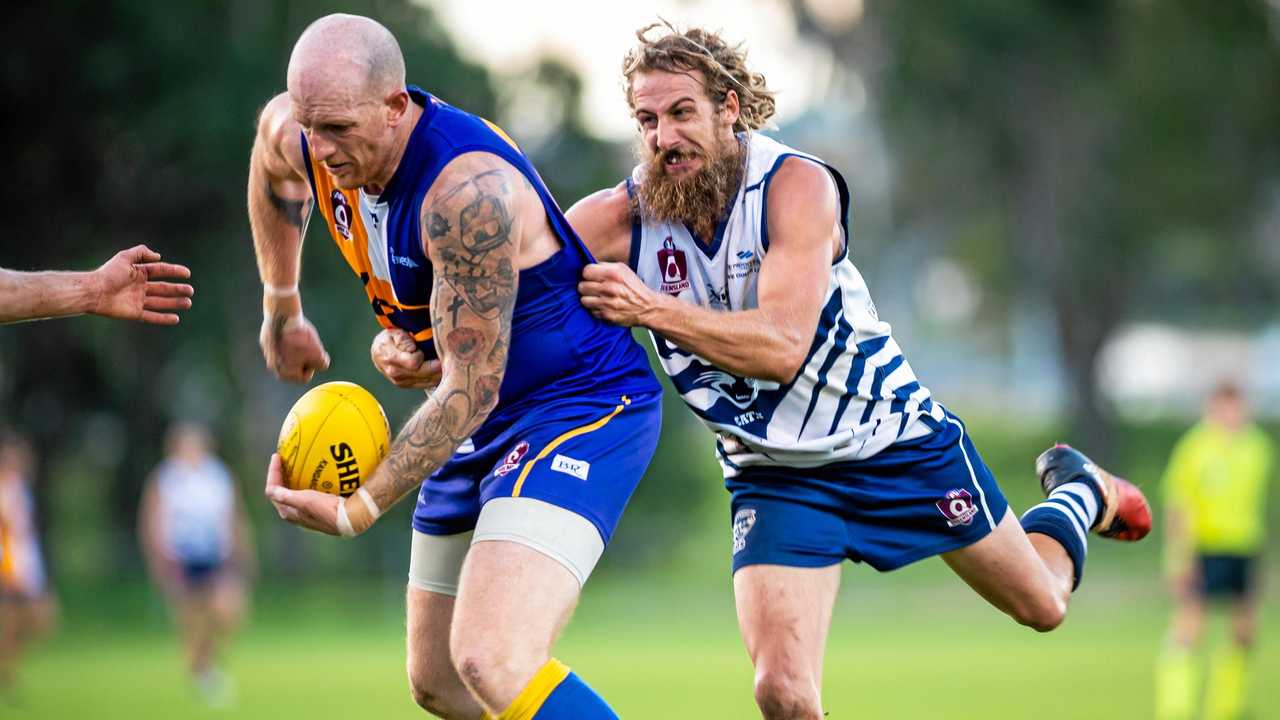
[674, 268]
[749, 266]
[743, 521]
[512, 460]
[734, 389]
[745, 254]
[570, 466]
[341, 214]
[958, 507]
[402, 260]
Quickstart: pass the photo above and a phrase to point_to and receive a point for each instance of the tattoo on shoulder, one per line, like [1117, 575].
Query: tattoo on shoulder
[437, 226]
[480, 210]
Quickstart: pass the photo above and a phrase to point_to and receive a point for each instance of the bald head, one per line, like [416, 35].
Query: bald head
[348, 52]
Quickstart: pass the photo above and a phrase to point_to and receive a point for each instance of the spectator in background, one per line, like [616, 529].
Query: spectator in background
[1215, 493]
[195, 540]
[128, 287]
[28, 609]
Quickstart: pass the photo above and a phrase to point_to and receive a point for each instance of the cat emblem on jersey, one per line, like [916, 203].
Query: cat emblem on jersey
[341, 214]
[674, 268]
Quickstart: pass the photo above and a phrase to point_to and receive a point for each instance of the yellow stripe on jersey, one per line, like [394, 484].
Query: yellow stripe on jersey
[502, 134]
[551, 446]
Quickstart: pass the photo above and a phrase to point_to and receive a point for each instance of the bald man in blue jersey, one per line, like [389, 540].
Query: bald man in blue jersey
[543, 419]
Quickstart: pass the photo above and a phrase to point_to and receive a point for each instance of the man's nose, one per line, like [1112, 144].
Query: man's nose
[666, 135]
[320, 147]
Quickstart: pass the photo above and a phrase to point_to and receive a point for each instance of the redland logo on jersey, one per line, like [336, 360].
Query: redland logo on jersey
[674, 268]
[341, 214]
[957, 507]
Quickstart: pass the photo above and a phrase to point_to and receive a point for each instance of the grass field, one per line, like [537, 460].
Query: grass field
[914, 644]
[659, 640]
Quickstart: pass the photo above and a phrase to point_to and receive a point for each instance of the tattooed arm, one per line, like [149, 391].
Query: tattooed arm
[279, 207]
[472, 233]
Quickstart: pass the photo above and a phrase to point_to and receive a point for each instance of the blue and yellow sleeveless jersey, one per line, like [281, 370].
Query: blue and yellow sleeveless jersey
[558, 349]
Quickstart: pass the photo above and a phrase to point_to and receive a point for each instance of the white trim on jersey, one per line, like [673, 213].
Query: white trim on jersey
[855, 394]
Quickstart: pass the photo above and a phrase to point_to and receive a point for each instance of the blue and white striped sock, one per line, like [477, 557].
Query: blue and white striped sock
[1066, 516]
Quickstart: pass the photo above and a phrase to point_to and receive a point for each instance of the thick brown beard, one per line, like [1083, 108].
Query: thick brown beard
[698, 199]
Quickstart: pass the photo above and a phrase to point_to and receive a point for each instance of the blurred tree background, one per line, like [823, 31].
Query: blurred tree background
[1099, 161]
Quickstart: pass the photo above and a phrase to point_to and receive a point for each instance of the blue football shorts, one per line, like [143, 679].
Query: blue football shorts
[915, 499]
[584, 454]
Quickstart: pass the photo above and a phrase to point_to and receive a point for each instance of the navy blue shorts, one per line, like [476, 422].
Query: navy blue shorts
[583, 454]
[198, 573]
[1226, 576]
[912, 500]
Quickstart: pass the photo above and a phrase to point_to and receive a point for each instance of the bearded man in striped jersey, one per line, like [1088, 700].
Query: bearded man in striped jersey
[732, 249]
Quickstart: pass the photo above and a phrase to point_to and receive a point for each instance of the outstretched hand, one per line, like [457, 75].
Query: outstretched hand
[128, 287]
[306, 508]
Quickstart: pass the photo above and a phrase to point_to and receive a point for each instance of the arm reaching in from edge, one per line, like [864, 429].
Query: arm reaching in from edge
[472, 235]
[279, 208]
[129, 286]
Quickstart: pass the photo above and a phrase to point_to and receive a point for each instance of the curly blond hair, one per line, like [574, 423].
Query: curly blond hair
[724, 67]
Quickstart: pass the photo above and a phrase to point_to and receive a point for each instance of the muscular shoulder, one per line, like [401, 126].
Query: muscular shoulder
[279, 136]
[801, 185]
[477, 177]
[478, 196]
[803, 202]
[603, 221]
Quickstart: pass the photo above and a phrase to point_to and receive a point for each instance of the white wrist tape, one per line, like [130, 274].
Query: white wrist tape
[344, 523]
[365, 515]
[279, 291]
[369, 503]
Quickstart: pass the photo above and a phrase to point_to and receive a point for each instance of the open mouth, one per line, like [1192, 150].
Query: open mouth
[678, 162]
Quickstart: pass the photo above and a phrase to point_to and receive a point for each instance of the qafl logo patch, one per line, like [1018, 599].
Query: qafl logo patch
[512, 460]
[674, 268]
[743, 521]
[958, 507]
[341, 214]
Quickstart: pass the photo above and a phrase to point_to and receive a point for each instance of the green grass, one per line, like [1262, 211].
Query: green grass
[912, 644]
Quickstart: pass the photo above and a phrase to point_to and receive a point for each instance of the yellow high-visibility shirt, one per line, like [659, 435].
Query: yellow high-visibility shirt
[1219, 480]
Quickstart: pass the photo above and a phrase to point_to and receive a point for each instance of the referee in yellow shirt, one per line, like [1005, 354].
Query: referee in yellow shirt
[1215, 492]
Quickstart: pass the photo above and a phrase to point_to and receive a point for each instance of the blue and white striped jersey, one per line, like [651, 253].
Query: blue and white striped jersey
[854, 396]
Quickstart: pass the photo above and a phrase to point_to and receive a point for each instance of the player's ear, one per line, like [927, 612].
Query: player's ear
[730, 110]
[397, 106]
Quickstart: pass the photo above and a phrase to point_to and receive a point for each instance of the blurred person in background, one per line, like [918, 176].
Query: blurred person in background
[733, 249]
[1215, 491]
[129, 286]
[197, 547]
[28, 609]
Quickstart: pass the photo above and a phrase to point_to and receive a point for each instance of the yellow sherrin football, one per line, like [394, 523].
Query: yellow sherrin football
[333, 438]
